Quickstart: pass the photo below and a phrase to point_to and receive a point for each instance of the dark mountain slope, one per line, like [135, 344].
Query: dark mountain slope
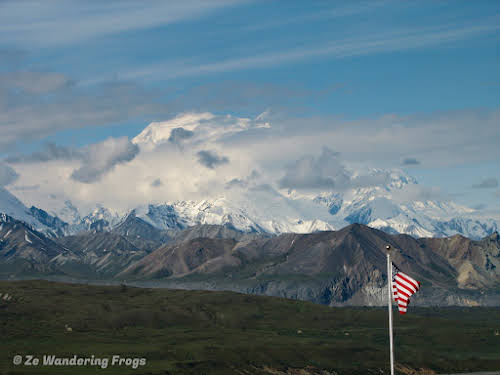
[201, 255]
[104, 253]
[140, 233]
[342, 267]
[477, 263]
[24, 250]
[215, 232]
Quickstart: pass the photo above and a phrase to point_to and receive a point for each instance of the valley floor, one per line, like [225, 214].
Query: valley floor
[200, 332]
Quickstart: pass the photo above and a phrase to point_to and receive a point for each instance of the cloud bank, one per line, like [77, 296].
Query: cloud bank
[223, 153]
[103, 157]
[49, 152]
[323, 172]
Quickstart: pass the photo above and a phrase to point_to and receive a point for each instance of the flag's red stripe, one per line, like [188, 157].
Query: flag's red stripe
[408, 279]
[403, 290]
[409, 286]
[401, 282]
[406, 288]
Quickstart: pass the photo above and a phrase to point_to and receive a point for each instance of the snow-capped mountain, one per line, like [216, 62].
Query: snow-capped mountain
[13, 207]
[68, 212]
[98, 220]
[262, 208]
[196, 126]
[265, 209]
[62, 222]
[388, 200]
[35, 217]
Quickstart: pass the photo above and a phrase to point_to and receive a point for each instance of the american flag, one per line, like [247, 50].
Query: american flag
[403, 287]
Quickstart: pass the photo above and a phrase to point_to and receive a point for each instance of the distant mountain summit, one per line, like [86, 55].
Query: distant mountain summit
[317, 199]
[389, 200]
[34, 217]
[264, 209]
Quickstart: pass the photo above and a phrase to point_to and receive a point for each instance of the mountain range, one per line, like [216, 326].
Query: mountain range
[263, 209]
[344, 267]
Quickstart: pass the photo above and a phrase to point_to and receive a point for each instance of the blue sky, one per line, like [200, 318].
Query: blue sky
[76, 73]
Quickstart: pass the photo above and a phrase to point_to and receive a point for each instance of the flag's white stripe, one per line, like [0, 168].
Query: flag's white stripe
[409, 280]
[396, 271]
[403, 297]
[403, 291]
[401, 281]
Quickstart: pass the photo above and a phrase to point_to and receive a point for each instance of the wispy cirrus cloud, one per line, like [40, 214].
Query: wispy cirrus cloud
[324, 14]
[44, 23]
[395, 40]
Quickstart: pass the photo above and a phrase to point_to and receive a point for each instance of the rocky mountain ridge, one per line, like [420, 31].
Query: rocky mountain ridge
[344, 267]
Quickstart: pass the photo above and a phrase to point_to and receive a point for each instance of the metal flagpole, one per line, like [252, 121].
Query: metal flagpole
[389, 304]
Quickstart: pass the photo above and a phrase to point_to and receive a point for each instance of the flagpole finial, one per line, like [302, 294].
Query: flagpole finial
[388, 247]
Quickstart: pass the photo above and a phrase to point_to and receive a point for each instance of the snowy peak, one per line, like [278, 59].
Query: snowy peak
[194, 127]
[69, 213]
[34, 217]
[265, 209]
[162, 216]
[13, 207]
[59, 227]
[99, 219]
[160, 132]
